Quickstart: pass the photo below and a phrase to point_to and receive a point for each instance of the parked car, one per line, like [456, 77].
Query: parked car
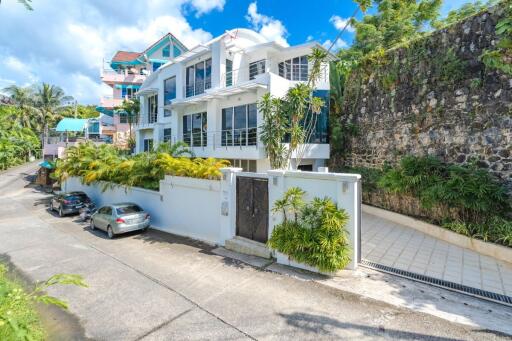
[120, 218]
[68, 203]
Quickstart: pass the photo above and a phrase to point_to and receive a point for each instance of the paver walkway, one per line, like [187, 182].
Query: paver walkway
[398, 246]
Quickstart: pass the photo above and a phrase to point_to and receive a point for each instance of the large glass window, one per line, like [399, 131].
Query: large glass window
[176, 51]
[169, 90]
[152, 108]
[198, 78]
[195, 129]
[295, 69]
[239, 125]
[246, 165]
[123, 117]
[256, 68]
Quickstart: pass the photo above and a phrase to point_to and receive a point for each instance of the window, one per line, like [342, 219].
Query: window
[239, 125]
[152, 108]
[148, 145]
[128, 209]
[198, 78]
[229, 72]
[246, 165]
[105, 210]
[295, 69]
[156, 65]
[176, 51]
[195, 129]
[169, 90]
[256, 68]
[167, 113]
[166, 51]
[128, 91]
[167, 135]
[123, 117]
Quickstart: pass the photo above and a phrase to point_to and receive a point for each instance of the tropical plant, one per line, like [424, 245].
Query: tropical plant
[177, 149]
[500, 58]
[106, 163]
[293, 117]
[18, 318]
[316, 235]
[130, 107]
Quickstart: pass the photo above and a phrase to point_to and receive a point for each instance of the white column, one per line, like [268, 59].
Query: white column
[228, 203]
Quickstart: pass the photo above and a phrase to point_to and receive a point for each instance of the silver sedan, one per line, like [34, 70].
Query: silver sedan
[120, 218]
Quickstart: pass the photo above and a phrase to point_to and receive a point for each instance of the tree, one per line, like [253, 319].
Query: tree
[131, 107]
[27, 116]
[25, 3]
[47, 99]
[293, 117]
[396, 21]
[464, 12]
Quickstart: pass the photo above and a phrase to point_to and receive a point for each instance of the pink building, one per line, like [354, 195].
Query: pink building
[125, 74]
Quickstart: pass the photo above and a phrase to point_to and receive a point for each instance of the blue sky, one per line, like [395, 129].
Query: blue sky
[64, 42]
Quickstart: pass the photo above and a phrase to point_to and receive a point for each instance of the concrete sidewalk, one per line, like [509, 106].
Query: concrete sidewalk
[402, 247]
[156, 286]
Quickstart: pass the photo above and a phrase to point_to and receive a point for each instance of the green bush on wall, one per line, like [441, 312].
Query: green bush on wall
[312, 233]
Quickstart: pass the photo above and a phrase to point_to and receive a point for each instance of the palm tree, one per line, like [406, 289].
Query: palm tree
[48, 98]
[27, 116]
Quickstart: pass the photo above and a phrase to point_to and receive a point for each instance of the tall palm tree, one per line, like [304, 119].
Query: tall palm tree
[48, 98]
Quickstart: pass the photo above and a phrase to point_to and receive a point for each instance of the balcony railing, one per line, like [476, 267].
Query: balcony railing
[245, 73]
[127, 76]
[246, 137]
[198, 88]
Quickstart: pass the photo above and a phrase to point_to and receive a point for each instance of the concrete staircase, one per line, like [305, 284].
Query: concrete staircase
[248, 247]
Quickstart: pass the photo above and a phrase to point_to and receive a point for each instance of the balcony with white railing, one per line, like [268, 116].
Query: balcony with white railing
[134, 76]
[230, 143]
[147, 121]
[198, 88]
[113, 101]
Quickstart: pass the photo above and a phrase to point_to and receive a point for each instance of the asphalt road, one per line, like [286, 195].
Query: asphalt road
[156, 286]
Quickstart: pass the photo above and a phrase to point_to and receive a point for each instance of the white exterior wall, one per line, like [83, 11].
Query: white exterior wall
[206, 209]
[247, 47]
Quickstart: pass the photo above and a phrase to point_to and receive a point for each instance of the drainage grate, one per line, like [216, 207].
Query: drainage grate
[503, 299]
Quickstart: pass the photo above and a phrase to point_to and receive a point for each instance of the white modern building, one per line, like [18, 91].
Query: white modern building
[207, 97]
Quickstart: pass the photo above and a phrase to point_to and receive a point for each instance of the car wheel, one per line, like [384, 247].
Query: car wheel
[51, 206]
[61, 214]
[91, 225]
[110, 232]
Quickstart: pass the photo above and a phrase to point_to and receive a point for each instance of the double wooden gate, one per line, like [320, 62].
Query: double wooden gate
[252, 208]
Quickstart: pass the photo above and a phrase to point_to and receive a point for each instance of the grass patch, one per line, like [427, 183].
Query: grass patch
[19, 319]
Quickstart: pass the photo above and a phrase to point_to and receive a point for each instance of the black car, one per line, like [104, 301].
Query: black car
[67, 203]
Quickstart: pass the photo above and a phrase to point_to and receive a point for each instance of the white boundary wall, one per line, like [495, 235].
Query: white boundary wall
[206, 209]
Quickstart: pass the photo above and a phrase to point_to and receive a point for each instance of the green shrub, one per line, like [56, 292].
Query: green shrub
[106, 163]
[314, 234]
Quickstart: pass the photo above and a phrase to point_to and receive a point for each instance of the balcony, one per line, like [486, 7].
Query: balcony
[111, 102]
[198, 88]
[121, 76]
[243, 75]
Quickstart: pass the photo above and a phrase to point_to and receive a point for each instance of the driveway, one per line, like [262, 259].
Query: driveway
[156, 286]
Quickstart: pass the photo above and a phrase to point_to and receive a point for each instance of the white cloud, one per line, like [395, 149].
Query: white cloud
[340, 44]
[270, 28]
[64, 42]
[309, 38]
[340, 23]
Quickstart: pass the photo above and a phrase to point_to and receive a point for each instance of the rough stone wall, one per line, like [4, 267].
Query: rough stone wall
[434, 97]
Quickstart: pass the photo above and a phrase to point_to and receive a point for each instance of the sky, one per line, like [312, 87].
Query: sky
[65, 42]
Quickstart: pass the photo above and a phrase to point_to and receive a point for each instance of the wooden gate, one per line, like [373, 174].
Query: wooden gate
[252, 208]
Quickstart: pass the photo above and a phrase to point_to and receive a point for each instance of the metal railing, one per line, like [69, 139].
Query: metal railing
[241, 138]
[245, 73]
[197, 88]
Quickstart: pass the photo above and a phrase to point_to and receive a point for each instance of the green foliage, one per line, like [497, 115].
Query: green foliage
[465, 11]
[107, 163]
[500, 58]
[18, 317]
[82, 111]
[294, 116]
[17, 143]
[316, 235]
[394, 22]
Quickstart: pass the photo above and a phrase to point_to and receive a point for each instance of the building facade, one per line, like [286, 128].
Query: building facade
[125, 73]
[207, 97]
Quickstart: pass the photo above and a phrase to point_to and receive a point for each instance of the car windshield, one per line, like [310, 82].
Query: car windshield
[128, 209]
[76, 197]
